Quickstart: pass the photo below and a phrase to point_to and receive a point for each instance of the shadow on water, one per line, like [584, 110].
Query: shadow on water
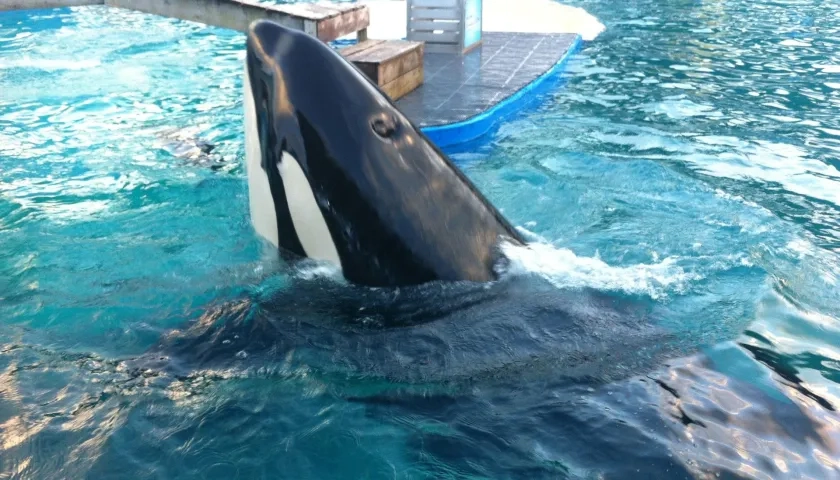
[428, 350]
[432, 333]
[319, 379]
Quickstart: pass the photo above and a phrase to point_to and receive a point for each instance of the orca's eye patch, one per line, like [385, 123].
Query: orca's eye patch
[384, 125]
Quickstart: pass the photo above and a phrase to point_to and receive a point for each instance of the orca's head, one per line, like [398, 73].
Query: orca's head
[336, 172]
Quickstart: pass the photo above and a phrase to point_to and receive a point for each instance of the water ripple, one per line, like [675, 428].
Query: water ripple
[682, 189]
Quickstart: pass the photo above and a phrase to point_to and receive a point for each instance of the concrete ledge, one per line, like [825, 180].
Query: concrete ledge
[41, 4]
[327, 22]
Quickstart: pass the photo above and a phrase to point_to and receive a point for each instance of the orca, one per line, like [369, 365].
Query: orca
[337, 173]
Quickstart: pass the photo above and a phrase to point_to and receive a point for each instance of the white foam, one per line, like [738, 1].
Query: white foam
[790, 42]
[564, 269]
[49, 64]
[828, 67]
[310, 269]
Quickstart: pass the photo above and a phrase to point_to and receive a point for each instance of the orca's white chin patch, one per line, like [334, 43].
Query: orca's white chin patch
[310, 226]
[263, 214]
[307, 218]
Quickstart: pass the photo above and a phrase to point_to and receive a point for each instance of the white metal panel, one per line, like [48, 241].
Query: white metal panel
[423, 36]
[435, 3]
[424, 25]
[429, 25]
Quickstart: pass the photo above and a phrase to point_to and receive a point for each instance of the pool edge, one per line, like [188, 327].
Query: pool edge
[482, 123]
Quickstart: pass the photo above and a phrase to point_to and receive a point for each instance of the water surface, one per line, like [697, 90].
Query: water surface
[678, 316]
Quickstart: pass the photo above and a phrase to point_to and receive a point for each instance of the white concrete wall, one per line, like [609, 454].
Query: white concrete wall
[388, 17]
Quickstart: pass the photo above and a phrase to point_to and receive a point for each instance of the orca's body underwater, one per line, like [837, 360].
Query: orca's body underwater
[337, 173]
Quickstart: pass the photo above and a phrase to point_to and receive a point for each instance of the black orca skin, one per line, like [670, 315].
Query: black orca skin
[398, 211]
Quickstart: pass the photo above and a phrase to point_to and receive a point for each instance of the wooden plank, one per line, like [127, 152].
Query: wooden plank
[385, 51]
[388, 60]
[318, 10]
[347, 51]
[401, 86]
[308, 11]
[407, 61]
[351, 21]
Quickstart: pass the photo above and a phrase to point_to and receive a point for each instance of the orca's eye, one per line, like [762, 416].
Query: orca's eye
[384, 125]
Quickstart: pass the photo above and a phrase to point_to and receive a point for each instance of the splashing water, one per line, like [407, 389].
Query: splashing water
[565, 269]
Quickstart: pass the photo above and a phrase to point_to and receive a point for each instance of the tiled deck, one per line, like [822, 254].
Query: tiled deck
[457, 88]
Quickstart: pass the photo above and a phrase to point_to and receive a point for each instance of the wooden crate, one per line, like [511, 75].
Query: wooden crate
[395, 65]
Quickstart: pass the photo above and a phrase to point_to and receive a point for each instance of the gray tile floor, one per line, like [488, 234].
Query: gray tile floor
[457, 87]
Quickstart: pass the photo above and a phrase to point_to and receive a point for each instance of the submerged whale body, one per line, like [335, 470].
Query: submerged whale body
[435, 332]
[337, 173]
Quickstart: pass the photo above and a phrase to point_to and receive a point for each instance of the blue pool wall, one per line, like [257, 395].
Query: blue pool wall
[484, 123]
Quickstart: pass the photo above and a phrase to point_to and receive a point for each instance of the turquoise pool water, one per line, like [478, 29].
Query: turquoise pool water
[679, 315]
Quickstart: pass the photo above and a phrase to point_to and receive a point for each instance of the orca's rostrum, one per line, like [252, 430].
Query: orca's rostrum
[337, 173]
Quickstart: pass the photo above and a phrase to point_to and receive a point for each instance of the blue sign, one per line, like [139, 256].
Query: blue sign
[472, 23]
